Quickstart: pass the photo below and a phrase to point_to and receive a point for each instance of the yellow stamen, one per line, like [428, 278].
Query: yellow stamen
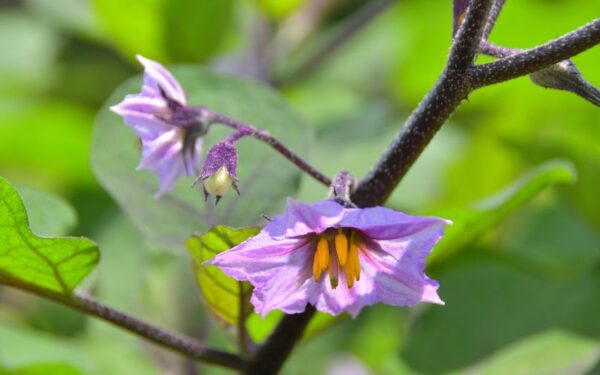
[341, 246]
[353, 259]
[349, 275]
[316, 268]
[323, 252]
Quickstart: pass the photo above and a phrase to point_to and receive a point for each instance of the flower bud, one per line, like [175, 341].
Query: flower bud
[219, 172]
[565, 76]
[219, 183]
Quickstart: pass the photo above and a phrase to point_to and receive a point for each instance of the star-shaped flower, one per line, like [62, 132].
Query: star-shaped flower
[337, 259]
[170, 131]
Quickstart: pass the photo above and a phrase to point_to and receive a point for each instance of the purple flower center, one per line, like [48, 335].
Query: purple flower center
[337, 249]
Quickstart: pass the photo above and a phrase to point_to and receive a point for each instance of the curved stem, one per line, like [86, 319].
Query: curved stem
[264, 136]
[537, 58]
[184, 345]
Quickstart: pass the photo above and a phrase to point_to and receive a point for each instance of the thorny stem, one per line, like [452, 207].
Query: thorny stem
[452, 87]
[189, 347]
[248, 130]
[429, 116]
[537, 58]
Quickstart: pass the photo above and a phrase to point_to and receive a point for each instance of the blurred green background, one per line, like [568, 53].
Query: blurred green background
[519, 271]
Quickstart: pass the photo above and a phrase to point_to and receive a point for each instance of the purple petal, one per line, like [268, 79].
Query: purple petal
[381, 223]
[384, 279]
[140, 112]
[259, 258]
[301, 218]
[164, 155]
[288, 288]
[155, 77]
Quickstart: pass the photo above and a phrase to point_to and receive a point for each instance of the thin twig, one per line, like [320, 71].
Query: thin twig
[537, 58]
[466, 43]
[493, 17]
[264, 136]
[184, 345]
[338, 39]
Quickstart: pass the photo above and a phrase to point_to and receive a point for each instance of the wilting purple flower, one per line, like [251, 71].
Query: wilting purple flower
[337, 259]
[219, 172]
[168, 128]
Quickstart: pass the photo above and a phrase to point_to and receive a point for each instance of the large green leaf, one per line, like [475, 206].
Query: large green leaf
[492, 303]
[179, 30]
[133, 26]
[48, 140]
[227, 299]
[471, 223]
[49, 215]
[26, 260]
[195, 29]
[266, 179]
[43, 369]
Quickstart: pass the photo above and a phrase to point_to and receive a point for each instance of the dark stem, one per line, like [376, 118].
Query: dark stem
[494, 50]
[493, 17]
[264, 136]
[537, 58]
[272, 355]
[243, 339]
[450, 89]
[338, 39]
[184, 345]
[466, 43]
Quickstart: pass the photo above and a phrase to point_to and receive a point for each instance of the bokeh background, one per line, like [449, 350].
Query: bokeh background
[517, 167]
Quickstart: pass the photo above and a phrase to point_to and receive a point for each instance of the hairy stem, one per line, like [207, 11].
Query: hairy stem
[450, 89]
[184, 345]
[248, 130]
[537, 58]
[493, 17]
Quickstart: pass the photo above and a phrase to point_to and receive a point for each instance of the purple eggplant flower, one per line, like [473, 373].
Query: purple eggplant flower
[337, 259]
[170, 131]
[219, 172]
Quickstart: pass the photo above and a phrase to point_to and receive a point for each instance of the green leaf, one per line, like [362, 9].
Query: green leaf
[26, 260]
[493, 303]
[179, 30]
[49, 215]
[222, 294]
[551, 352]
[266, 179]
[194, 30]
[46, 369]
[279, 9]
[49, 140]
[472, 223]
[134, 26]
